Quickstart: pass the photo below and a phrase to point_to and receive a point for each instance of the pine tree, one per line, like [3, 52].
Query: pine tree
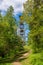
[10, 43]
[36, 25]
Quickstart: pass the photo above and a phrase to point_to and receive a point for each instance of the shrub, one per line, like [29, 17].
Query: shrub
[36, 59]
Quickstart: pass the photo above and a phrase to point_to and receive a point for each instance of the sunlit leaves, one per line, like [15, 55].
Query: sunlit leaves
[35, 22]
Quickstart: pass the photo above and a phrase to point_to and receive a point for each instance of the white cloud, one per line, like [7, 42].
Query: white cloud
[17, 5]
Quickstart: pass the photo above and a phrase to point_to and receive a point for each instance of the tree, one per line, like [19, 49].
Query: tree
[35, 21]
[10, 43]
[0, 17]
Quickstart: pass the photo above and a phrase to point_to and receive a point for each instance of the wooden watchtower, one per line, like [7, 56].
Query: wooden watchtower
[21, 26]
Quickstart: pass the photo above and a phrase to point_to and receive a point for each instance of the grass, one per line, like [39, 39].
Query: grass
[5, 64]
[26, 60]
[36, 59]
[27, 48]
[33, 59]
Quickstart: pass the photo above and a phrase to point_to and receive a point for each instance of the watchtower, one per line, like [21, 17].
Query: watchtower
[22, 30]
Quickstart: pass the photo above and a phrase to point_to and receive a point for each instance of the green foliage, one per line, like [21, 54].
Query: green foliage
[5, 64]
[10, 43]
[35, 24]
[33, 59]
[35, 21]
[36, 59]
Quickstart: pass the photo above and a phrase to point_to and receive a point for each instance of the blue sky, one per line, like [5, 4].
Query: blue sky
[17, 5]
